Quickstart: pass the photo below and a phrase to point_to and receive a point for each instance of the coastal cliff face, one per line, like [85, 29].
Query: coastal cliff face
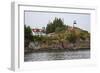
[69, 38]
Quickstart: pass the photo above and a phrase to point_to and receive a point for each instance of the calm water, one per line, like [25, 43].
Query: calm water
[67, 55]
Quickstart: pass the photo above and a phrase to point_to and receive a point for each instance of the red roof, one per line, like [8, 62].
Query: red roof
[37, 30]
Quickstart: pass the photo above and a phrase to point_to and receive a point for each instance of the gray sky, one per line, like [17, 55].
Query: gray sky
[41, 19]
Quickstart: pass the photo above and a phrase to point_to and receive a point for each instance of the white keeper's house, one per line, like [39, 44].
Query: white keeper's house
[37, 31]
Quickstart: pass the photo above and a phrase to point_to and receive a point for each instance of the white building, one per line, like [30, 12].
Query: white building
[38, 32]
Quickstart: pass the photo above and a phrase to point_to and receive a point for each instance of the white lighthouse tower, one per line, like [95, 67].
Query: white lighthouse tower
[74, 22]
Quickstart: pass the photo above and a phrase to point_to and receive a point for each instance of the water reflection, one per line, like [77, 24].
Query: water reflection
[44, 56]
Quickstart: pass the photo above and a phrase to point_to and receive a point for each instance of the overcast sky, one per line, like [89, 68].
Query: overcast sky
[41, 19]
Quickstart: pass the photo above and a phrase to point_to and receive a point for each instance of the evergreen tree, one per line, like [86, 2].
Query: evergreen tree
[56, 25]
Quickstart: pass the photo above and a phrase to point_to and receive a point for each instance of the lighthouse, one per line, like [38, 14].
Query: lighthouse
[74, 22]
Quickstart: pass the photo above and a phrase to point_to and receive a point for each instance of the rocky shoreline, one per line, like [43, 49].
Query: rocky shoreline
[54, 50]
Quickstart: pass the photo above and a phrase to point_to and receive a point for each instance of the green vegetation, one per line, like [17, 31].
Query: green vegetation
[71, 37]
[55, 26]
[27, 35]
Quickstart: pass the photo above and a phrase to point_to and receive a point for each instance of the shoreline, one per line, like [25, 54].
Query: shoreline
[55, 50]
